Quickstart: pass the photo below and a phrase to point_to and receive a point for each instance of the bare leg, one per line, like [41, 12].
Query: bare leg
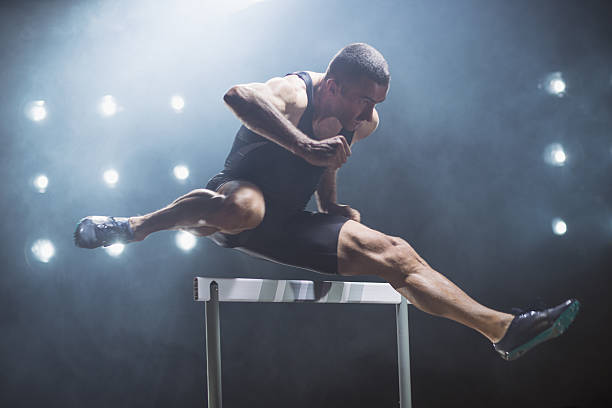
[237, 206]
[364, 251]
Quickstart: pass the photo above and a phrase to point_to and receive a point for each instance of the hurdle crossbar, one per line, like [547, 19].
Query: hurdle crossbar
[215, 290]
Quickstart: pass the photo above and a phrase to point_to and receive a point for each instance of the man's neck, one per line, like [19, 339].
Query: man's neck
[320, 106]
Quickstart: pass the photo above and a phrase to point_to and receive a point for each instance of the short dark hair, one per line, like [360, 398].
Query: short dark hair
[356, 60]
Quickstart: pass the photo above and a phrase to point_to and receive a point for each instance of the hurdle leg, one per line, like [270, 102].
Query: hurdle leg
[403, 354]
[213, 347]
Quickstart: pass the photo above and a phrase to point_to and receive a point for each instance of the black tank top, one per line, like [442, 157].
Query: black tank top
[287, 181]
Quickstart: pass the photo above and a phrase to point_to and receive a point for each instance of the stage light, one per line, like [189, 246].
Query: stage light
[36, 111]
[557, 85]
[43, 250]
[111, 177]
[554, 84]
[559, 226]
[177, 102]
[181, 172]
[114, 250]
[108, 105]
[41, 182]
[559, 156]
[555, 155]
[185, 240]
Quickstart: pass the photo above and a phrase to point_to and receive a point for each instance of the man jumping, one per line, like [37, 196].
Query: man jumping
[297, 132]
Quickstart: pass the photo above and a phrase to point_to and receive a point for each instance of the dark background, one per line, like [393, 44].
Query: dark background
[455, 168]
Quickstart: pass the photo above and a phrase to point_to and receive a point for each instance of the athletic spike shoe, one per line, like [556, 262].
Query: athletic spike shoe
[92, 232]
[529, 329]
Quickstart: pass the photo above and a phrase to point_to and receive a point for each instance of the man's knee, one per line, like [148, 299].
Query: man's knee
[242, 209]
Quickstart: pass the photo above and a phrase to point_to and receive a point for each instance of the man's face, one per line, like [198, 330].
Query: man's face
[356, 101]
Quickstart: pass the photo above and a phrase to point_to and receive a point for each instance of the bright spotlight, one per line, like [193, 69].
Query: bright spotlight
[43, 250]
[114, 249]
[181, 172]
[108, 106]
[557, 86]
[111, 177]
[41, 182]
[177, 102]
[559, 156]
[185, 240]
[36, 111]
[554, 84]
[555, 155]
[559, 227]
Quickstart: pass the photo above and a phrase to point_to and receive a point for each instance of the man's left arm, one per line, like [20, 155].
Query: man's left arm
[326, 191]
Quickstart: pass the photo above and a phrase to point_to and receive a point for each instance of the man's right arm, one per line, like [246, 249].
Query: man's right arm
[273, 109]
[266, 109]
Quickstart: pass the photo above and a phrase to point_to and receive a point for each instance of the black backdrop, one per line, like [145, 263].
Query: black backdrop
[455, 168]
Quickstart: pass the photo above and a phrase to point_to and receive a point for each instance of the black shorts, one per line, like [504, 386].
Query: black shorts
[301, 238]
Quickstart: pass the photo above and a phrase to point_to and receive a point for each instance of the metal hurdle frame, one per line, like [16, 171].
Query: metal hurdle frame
[215, 290]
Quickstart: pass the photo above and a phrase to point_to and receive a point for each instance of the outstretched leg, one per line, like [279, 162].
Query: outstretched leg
[364, 251]
[236, 206]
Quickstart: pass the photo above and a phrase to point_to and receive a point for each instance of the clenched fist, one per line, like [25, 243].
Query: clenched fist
[332, 152]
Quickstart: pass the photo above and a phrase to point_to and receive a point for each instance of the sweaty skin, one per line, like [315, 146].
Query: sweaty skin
[279, 104]
[361, 250]
[273, 110]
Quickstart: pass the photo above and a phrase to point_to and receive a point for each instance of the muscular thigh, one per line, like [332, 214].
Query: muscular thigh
[365, 251]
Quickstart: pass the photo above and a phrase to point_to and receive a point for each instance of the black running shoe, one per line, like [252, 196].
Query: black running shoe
[529, 329]
[92, 232]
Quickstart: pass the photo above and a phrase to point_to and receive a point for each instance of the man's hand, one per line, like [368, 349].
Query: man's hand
[344, 210]
[332, 152]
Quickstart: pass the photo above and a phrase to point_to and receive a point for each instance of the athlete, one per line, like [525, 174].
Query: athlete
[296, 132]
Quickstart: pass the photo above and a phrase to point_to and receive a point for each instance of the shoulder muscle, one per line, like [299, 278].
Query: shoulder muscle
[287, 94]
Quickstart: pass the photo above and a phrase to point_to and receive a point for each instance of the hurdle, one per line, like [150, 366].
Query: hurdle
[215, 290]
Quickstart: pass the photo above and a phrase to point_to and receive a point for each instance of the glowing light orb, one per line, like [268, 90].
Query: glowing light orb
[108, 105]
[559, 226]
[41, 182]
[559, 156]
[185, 240]
[554, 84]
[111, 177]
[181, 172]
[555, 155]
[115, 249]
[177, 102]
[36, 111]
[557, 85]
[43, 250]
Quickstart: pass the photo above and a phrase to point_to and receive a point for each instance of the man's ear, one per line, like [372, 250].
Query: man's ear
[333, 86]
